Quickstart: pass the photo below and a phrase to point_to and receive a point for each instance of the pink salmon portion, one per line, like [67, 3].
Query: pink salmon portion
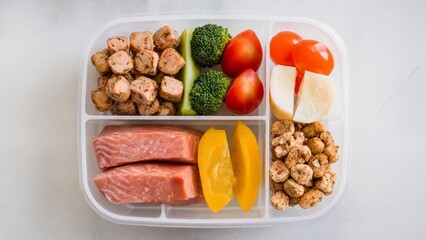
[168, 183]
[119, 145]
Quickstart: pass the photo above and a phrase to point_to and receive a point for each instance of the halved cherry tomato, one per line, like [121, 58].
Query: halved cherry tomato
[313, 56]
[281, 47]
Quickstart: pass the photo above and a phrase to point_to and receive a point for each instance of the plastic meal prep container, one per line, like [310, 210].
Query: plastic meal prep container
[91, 123]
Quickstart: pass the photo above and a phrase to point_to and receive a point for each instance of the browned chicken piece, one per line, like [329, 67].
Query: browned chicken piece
[170, 62]
[275, 187]
[101, 100]
[279, 172]
[166, 37]
[146, 62]
[279, 200]
[293, 189]
[140, 41]
[103, 79]
[331, 152]
[118, 88]
[319, 164]
[171, 89]
[120, 43]
[144, 90]
[326, 183]
[148, 110]
[100, 61]
[167, 109]
[316, 145]
[313, 129]
[124, 108]
[280, 127]
[302, 174]
[310, 199]
[120, 62]
[297, 155]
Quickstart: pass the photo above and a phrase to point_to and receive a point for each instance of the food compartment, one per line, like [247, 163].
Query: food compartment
[125, 28]
[335, 121]
[195, 211]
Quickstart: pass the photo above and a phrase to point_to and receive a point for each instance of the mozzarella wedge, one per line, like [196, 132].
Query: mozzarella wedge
[315, 98]
[281, 91]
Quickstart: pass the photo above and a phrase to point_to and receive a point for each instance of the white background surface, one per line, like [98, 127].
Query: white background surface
[40, 48]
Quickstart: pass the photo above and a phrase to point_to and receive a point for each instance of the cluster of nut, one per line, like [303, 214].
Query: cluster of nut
[137, 75]
[301, 173]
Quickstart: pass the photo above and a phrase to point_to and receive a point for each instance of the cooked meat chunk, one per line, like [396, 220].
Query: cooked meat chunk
[302, 174]
[171, 89]
[279, 200]
[166, 37]
[102, 80]
[170, 62]
[101, 100]
[331, 152]
[140, 41]
[316, 145]
[319, 164]
[293, 189]
[148, 110]
[124, 108]
[116, 44]
[167, 109]
[100, 61]
[146, 62]
[279, 172]
[326, 183]
[313, 129]
[275, 187]
[144, 90]
[120, 62]
[118, 88]
[296, 155]
[280, 127]
[310, 199]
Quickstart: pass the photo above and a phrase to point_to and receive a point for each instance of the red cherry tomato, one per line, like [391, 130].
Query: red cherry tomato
[313, 56]
[242, 52]
[281, 47]
[245, 93]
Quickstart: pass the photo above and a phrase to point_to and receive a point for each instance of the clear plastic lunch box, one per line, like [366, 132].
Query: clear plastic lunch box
[91, 122]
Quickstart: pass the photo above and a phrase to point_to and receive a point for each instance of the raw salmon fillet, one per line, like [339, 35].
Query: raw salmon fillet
[169, 183]
[118, 145]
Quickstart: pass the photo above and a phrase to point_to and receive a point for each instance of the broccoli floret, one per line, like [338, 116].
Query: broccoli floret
[208, 92]
[208, 43]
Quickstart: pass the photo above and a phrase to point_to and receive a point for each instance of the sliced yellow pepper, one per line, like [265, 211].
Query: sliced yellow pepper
[246, 164]
[215, 167]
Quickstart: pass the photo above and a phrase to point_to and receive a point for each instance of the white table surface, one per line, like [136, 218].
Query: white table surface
[40, 48]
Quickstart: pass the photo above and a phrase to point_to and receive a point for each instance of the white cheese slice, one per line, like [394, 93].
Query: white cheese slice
[281, 91]
[315, 98]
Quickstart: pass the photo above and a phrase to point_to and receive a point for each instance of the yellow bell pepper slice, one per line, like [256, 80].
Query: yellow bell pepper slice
[215, 167]
[246, 164]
